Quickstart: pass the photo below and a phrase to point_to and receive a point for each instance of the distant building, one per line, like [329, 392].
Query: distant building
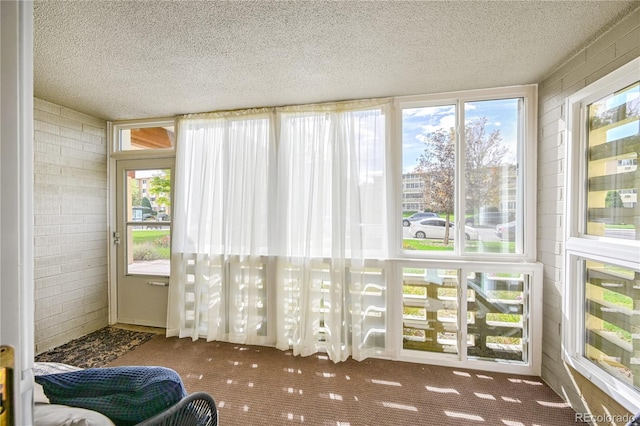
[505, 200]
[507, 197]
[413, 192]
[142, 180]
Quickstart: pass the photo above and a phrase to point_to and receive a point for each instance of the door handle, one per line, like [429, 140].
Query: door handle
[158, 283]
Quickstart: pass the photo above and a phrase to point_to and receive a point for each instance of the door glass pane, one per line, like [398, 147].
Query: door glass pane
[430, 310]
[428, 168]
[148, 239]
[499, 332]
[493, 132]
[146, 138]
[612, 172]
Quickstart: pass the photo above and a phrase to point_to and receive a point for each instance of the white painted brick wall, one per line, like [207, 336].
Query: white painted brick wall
[70, 224]
[613, 49]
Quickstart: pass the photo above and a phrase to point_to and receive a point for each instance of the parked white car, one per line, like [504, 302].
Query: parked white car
[434, 228]
[417, 217]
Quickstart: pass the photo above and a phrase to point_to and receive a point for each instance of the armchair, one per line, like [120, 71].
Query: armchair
[197, 409]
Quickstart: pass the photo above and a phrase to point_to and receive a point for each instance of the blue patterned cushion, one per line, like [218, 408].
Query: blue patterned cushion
[127, 395]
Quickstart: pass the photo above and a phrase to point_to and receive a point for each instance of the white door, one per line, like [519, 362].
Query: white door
[143, 237]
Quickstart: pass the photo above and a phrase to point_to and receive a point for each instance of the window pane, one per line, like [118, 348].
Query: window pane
[146, 138]
[499, 332]
[493, 131]
[430, 310]
[149, 250]
[148, 195]
[612, 172]
[428, 167]
[611, 318]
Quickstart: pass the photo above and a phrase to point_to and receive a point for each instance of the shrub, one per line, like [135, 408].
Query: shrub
[162, 242]
[146, 251]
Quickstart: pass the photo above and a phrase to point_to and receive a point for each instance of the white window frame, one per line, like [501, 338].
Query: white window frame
[533, 364]
[114, 128]
[458, 259]
[578, 245]
[527, 160]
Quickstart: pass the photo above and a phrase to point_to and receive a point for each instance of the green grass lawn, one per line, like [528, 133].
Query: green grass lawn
[144, 235]
[471, 246]
[614, 226]
[426, 245]
[151, 244]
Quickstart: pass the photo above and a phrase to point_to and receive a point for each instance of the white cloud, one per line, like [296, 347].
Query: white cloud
[425, 111]
[446, 122]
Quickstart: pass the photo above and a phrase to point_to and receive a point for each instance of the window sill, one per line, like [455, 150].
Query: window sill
[618, 391]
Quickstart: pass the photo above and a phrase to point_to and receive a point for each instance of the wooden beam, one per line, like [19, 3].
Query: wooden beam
[152, 138]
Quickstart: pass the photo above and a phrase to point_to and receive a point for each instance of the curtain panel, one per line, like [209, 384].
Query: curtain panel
[221, 229]
[281, 239]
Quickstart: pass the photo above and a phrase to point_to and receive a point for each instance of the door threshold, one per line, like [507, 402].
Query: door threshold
[141, 328]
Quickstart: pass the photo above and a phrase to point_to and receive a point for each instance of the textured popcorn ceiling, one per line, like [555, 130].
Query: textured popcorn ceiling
[123, 60]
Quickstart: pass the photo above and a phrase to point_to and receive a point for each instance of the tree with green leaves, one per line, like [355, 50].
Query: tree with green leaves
[134, 191]
[613, 199]
[147, 209]
[160, 186]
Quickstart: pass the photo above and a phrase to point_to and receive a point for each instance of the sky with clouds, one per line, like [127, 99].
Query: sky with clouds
[417, 123]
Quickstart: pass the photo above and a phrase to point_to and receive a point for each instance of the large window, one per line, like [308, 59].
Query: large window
[463, 159]
[395, 228]
[467, 192]
[603, 234]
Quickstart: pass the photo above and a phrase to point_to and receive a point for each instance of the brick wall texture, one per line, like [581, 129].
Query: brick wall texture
[614, 48]
[70, 224]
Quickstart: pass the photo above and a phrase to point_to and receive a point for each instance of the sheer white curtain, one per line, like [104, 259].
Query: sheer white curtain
[282, 243]
[332, 225]
[221, 227]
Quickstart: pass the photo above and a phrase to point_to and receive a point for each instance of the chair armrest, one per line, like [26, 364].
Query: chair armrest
[197, 409]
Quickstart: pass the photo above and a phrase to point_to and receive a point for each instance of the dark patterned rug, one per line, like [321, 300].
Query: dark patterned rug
[96, 349]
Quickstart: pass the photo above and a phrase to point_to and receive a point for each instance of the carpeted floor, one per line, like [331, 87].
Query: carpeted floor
[265, 386]
[96, 349]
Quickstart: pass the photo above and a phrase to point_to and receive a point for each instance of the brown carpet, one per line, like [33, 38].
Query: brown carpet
[264, 386]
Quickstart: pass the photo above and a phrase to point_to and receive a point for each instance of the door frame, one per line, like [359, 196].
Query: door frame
[140, 285]
[114, 155]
